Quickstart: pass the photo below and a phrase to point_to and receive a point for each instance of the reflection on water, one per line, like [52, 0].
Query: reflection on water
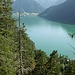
[50, 36]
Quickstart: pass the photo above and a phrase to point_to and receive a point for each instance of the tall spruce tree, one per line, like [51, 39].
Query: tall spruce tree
[7, 23]
[7, 40]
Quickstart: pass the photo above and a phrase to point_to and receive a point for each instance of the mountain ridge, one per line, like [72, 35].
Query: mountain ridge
[30, 6]
[49, 3]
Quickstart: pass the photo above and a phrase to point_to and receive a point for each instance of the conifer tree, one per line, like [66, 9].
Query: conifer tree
[53, 65]
[7, 23]
[7, 39]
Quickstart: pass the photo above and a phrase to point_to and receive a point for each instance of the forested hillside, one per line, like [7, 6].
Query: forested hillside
[18, 54]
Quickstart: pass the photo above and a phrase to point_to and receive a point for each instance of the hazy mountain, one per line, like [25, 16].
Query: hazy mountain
[64, 12]
[48, 3]
[27, 6]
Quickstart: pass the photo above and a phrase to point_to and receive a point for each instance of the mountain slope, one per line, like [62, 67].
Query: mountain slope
[29, 6]
[49, 3]
[61, 13]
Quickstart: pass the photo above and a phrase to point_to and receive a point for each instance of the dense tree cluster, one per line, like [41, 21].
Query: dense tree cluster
[33, 61]
[55, 65]
[9, 44]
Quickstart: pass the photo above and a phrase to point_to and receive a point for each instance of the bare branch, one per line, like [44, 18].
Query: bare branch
[73, 52]
[71, 46]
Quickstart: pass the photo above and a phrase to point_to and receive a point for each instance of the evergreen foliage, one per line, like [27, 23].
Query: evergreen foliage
[34, 62]
[7, 40]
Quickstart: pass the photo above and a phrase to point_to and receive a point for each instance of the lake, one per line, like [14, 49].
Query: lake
[49, 35]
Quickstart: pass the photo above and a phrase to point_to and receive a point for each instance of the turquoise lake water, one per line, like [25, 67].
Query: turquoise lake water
[49, 35]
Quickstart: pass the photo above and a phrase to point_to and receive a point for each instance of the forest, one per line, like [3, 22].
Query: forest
[18, 54]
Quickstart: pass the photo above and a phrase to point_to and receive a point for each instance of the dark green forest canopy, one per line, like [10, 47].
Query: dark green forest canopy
[34, 62]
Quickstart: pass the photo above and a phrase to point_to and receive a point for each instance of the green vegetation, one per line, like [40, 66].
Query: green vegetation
[33, 61]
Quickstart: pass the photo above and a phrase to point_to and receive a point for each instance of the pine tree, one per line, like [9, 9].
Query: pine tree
[7, 23]
[7, 39]
[40, 58]
[53, 65]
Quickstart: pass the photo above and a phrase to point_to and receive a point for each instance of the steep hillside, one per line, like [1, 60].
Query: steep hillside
[64, 12]
[29, 6]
